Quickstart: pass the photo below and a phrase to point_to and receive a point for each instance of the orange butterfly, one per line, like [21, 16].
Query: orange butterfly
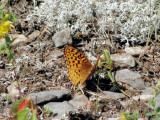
[79, 67]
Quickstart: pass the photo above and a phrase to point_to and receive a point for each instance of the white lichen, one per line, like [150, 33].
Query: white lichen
[128, 19]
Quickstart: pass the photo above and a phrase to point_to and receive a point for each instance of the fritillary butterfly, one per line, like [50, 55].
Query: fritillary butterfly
[79, 67]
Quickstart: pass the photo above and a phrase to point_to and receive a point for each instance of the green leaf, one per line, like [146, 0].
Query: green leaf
[101, 63]
[3, 47]
[23, 114]
[158, 109]
[33, 117]
[152, 102]
[151, 113]
[16, 106]
[7, 51]
[10, 58]
[12, 17]
[157, 85]
[135, 115]
[2, 13]
[107, 56]
[8, 40]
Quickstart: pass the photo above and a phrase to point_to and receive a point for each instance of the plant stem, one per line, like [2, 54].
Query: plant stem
[19, 89]
[115, 83]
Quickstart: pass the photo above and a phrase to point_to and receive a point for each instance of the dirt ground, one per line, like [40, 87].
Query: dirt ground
[49, 78]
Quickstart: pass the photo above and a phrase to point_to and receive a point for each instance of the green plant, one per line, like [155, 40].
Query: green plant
[5, 48]
[153, 103]
[6, 21]
[108, 66]
[128, 116]
[47, 111]
[22, 108]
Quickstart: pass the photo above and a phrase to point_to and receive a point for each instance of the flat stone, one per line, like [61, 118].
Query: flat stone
[79, 101]
[147, 94]
[20, 40]
[123, 58]
[113, 95]
[60, 108]
[112, 119]
[13, 90]
[157, 99]
[130, 77]
[48, 96]
[134, 50]
[62, 38]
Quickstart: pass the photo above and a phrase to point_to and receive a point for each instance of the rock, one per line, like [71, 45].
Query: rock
[54, 55]
[157, 99]
[112, 119]
[106, 95]
[134, 50]
[13, 90]
[62, 38]
[147, 94]
[130, 77]
[113, 95]
[60, 108]
[48, 96]
[123, 58]
[34, 35]
[79, 101]
[20, 40]
[136, 98]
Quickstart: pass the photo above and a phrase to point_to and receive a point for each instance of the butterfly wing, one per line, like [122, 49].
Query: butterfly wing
[78, 65]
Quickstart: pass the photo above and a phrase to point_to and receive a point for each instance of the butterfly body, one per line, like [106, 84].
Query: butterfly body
[79, 67]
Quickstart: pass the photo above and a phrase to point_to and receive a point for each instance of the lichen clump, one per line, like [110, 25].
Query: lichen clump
[129, 20]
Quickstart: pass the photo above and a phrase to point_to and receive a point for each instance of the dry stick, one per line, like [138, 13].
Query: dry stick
[44, 30]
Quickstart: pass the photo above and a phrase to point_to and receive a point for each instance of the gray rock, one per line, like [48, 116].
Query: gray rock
[157, 99]
[62, 38]
[113, 95]
[123, 58]
[112, 119]
[20, 40]
[134, 50]
[79, 101]
[13, 90]
[60, 108]
[147, 94]
[48, 96]
[130, 77]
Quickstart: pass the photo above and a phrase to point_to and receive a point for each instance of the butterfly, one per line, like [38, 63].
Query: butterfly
[80, 68]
